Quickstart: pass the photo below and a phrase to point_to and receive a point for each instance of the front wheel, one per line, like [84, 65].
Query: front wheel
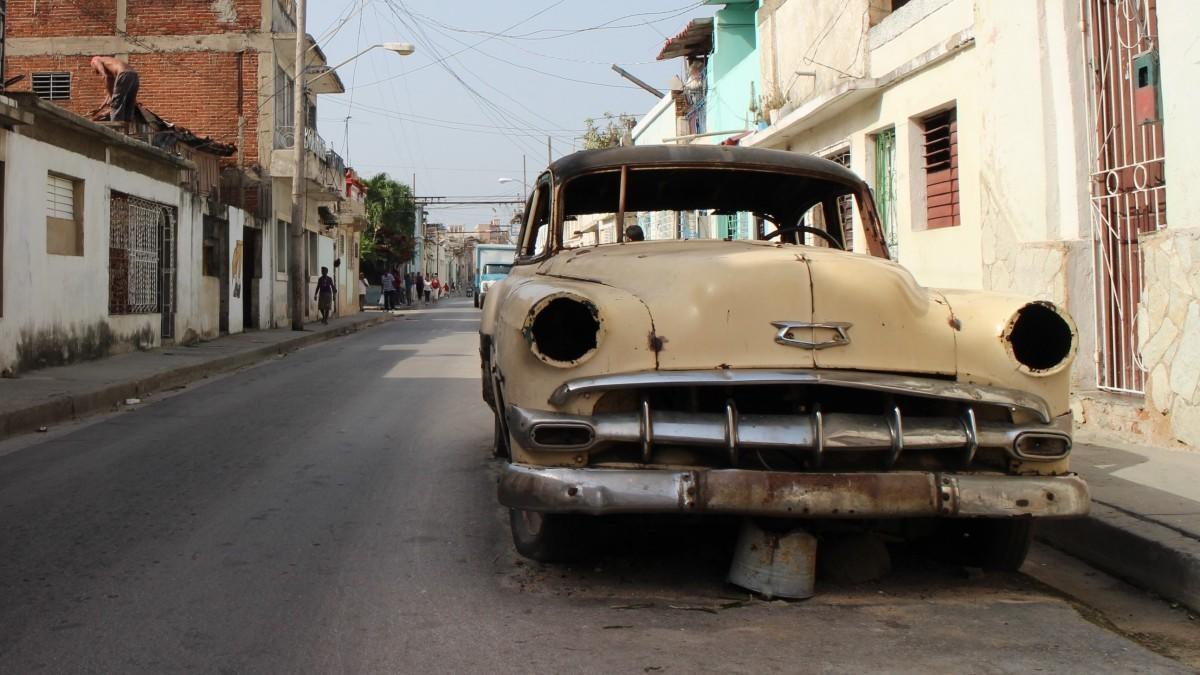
[476, 300]
[546, 537]
[999, 544]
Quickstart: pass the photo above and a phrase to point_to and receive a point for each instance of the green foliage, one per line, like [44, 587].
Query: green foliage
[388, 241]
[608, 136]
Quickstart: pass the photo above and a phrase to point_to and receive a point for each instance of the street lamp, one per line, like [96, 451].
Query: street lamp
[298, 286]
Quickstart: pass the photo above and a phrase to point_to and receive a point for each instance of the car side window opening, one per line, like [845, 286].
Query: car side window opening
[537, 233]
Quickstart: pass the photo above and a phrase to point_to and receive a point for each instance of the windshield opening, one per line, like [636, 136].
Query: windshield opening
[701, 203]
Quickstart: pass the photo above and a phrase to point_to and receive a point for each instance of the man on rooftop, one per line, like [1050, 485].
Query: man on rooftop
[121, 82]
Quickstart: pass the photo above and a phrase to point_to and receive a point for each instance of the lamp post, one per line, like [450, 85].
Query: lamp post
[297, 278]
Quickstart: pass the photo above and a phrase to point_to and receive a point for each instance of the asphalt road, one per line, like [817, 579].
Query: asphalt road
[334, 511]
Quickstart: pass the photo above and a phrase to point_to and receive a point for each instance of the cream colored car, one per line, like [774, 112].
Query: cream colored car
[737, 362]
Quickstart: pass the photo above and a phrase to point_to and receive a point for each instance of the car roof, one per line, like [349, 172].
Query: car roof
[734, 157]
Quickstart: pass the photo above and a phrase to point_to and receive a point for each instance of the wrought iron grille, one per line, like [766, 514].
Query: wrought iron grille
[1128, 185]
[135, 238]
[885, 188]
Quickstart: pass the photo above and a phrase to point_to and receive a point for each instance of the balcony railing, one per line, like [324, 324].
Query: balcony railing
[332, 166]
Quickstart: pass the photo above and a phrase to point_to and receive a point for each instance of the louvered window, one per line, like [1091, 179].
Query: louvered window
[941, 170]
[52, 86]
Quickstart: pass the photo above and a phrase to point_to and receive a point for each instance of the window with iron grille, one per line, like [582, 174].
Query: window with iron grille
[52, 86]
[134, 245]
[941, 169]
[885, 189]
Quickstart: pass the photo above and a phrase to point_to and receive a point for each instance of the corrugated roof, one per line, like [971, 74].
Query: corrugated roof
[695, 40]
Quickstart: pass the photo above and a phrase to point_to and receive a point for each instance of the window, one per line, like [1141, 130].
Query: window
[885, 188]
[940, 135]
[281, 247]
[312, 253]
[537, 233]
[52, 86]
[64, 215]
[211, 263]
[285, 107]
[135, 240]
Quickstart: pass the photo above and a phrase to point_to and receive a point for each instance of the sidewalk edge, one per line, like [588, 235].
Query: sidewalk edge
[74, 406]
[1144, 553]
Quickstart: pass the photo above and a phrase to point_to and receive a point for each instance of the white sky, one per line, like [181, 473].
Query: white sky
[541, 77]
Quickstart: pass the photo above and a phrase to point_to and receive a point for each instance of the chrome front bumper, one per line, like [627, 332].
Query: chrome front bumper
[898, 494]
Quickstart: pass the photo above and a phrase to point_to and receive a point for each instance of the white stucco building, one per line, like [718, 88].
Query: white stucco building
[1022, 147]
[1040, 148]
[107, 244]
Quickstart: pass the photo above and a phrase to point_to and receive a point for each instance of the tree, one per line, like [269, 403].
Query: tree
[609, 136]
[389, 239]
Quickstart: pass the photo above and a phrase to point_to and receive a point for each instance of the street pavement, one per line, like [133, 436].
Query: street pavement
[334, 511]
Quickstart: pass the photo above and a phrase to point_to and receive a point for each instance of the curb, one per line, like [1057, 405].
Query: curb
[74, 406]
[1145, 553]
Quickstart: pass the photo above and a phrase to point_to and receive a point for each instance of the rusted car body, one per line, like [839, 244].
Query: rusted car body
[764, 374]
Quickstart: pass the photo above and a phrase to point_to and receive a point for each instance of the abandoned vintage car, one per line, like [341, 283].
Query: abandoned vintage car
[737, 362]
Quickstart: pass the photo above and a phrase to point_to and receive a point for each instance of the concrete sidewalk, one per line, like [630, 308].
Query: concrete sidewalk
[1145, 521]
[54, 395]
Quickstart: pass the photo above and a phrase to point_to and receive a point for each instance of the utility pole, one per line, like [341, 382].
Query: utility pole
[549, 152]
[297, 277]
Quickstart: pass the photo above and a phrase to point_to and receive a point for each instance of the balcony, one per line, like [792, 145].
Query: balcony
[352, 213]
[324, 169]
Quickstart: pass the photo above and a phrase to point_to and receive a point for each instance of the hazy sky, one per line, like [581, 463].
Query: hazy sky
[488, 83]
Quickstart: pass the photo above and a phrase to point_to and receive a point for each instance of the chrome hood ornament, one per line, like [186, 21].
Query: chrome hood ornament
[789, 332]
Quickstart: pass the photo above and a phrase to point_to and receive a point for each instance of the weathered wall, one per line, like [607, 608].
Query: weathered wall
[192, 17]
[1169, 334]
[55, 310]
[1179, 54]
[794, 34]
[657, 125]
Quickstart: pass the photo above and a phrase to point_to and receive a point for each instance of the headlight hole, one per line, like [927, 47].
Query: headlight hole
[1041, 339]
[565, 329]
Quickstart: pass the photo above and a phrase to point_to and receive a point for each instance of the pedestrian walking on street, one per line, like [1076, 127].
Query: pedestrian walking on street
[363, 287]
[436, 287]
[419, 286]
[389, 291]
[408, 287]
[324, 295]
[428, 290]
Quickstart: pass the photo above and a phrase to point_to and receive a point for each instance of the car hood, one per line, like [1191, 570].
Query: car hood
[718, 304]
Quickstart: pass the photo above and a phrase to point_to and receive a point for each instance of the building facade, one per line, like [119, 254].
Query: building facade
[1032, 148]
[106, 243]
[227, 69]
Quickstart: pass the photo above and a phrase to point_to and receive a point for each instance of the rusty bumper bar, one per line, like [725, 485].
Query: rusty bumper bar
[898, 494]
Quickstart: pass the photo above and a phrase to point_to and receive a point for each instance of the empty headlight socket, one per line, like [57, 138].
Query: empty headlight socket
[563, 330]
[1040, 338]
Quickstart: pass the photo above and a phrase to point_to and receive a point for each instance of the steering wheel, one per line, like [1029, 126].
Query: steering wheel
[804, 228]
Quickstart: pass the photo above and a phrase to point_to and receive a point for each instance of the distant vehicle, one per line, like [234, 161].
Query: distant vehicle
[492, 264]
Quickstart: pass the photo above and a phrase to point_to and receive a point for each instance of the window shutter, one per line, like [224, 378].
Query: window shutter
[60, 197]
[52, 86]
[941, 170]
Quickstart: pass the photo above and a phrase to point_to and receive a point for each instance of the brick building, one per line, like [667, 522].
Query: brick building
[225, 70]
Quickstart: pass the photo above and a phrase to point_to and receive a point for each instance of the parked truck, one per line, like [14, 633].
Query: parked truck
[492, 263]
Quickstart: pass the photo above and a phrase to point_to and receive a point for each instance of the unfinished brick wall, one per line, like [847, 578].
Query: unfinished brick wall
[87, 87]
[192, 17]
[60, 18]
[197, 90]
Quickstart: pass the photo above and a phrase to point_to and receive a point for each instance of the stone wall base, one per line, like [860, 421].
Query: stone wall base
[1127, 419]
